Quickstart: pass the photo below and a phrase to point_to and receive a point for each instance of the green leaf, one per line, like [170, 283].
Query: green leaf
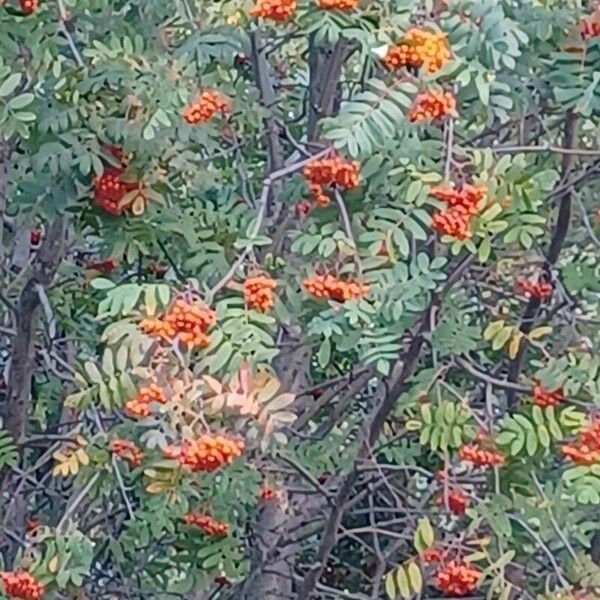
[9, 85]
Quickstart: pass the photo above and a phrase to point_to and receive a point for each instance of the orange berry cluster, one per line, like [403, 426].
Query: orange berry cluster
[586, 451]
[205, 107]
[19, 584]
[207, 524]
[543, 397]
[333, 172]
[463, 205]
[276, 10]
[337, 4]
[35, 236]
[33, 525]
[29, 6]
[540, 290]
[140, 405]
[109, 188]
[128, 451]
[207, 453]
[104, 266]
[458, 501]
[331, 288]
[480, 457]
[432, 555]
[432, 105]
[258, 293]
[189, 323]
[590, 27]
[418, 49]
[267, 493]
[457, 578]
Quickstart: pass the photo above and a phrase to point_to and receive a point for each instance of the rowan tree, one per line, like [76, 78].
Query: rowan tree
[299, 299]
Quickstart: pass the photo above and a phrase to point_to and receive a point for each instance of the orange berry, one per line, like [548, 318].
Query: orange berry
[205, 107]
[276, 10]
[479, 457]
[207, 524]
[28, 6]
[128, 451]
[457, 578]
[19, 584]
[345, 5]
[432, 105]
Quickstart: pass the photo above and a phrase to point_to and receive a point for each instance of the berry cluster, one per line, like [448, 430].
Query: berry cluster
[207, 524]
[267, 493]
[140, 405]
[333, 172]
[19, 584]
[189, 323]
[432, 105]
[586, 451]
[337, 4]
[457, 578]
[109, 188]
[33, 525]
[258, 293]
[29, 6]
[35, 236]
[543, 397]
[418, 49]
[276, 10]
[590, 27]
[458, 501]
[463, 205]
[207, 453]
[480, 457]
[331, 288]
[104, 266]
[128, 451]
[432, 555]
[540, 290]
[206, 105]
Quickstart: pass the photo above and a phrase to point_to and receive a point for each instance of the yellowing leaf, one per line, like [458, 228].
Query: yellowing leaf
[540, 332]
[158, 486]
[139, 206]
[492, 330]
[415, 577]
[53, 564]
[73, 464]
[82, 456]
[390, 586]
[515, 343]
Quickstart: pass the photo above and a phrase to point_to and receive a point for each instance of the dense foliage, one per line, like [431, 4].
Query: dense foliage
[299, 299]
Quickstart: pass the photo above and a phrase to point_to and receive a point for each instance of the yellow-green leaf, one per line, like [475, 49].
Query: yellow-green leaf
[540, 332]
[415, 577]
[493, 329]
[515, 344]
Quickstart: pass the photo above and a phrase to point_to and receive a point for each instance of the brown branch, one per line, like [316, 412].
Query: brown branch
[397, 387]
[559, 235]
[18, 393]
[260, 66]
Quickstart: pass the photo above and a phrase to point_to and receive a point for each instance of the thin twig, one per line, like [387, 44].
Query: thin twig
[553, 520]
[62, 18]
[348, 228]
[78, 500]
[449, 147]
[262, 209]
[586, 221]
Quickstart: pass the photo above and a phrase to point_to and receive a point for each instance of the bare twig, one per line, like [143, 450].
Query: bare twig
[62, 19]
[345, 217]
